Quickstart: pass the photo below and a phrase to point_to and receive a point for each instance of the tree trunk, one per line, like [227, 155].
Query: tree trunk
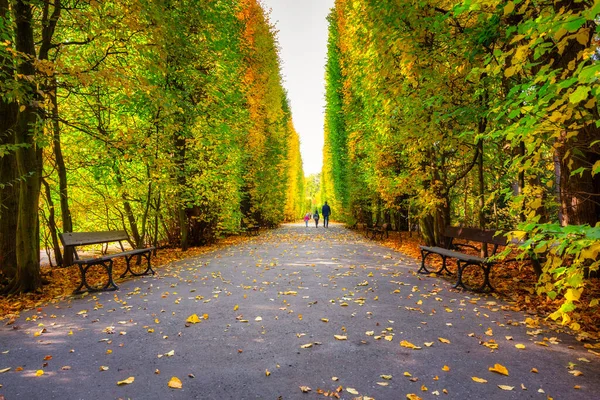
[180, 145]
[52, 225]
[135, 234]
[65, 212]
[27, 277]
[8, 182]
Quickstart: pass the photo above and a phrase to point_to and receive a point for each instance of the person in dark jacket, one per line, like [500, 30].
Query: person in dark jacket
[326, 211]
[316, 218]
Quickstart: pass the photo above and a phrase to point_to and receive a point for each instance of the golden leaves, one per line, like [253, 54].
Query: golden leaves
[409, 345]
[446, 341]
[126, 381]
[175, 383]
[500, 369]
[478, 380]
[340, 337]
[193, 319]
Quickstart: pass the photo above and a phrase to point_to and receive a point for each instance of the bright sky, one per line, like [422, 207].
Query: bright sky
[302, 37]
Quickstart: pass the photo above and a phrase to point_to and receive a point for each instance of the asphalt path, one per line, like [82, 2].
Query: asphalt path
[324, 309]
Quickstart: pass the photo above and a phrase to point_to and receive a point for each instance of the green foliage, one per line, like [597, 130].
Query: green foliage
[471, 113]
[171, 117]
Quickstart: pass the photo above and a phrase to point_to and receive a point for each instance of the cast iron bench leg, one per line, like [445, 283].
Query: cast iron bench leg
[110, 284]
[486, 276]
[459, 270]
[148, 270]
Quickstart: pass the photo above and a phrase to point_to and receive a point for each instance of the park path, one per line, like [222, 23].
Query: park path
[270, 310]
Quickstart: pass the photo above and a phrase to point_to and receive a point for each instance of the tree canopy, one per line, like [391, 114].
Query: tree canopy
[167, 120]
[475, 113]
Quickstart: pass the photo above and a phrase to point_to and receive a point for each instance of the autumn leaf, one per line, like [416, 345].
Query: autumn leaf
[175, 383]
[520, 346]
[506, 387]
[351, 390]
[409, 345]
[103, 368]
[340, 337]
[267, 372]
[478, 380]
[39, 372]
[193, 319]
[126, 381]
[444, 340]
[386, 377]
[412, 396]
[4, 370]
[500, 369]
[446, 368]
[305, 389]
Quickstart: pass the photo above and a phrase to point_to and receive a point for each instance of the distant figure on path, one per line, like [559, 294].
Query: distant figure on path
[326, 211]
[316, 218]
[307, 218]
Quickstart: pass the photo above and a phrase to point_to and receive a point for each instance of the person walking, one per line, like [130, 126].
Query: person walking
[316, 218]
[326, 211]
[307, 218]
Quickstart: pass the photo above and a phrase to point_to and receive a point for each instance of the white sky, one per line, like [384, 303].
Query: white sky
[302, 38]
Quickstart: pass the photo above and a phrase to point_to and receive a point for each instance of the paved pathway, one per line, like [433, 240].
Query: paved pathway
[275, 303]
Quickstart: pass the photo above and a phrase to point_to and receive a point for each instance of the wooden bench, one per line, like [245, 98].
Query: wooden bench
[379, 230]
[71, 240]
[463, 260]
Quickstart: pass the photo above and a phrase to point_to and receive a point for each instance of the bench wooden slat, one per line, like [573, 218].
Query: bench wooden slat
[86, 238]
[477, 235]
[455, 254]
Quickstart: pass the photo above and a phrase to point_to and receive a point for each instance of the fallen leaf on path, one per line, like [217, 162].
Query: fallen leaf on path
[506, 387]
[478, 380]
[520, 346]
[412, 396]
[340, 337]
[500, 369]
[576, 372]
[305, 389]
[409, 345]
[351, 390]
[126, 381]
[383, 383]
[103, 368]
[441, 339]
[267, 372]
[175, 383]
[445, 368]
[39, 372]
[4, 370]
[386, 377]
[193, 319]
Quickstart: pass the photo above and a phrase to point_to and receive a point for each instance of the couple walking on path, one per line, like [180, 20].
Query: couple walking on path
[325, 210]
